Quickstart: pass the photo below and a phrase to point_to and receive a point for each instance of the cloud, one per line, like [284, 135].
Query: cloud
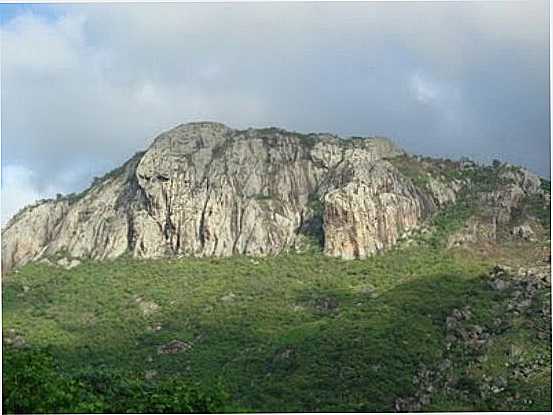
[67, 100]
[425, 91]
[86, 86]
[19, 190]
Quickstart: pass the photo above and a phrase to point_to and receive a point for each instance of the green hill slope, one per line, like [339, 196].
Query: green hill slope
[295, 332]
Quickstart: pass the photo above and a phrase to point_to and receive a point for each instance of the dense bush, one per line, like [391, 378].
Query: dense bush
[33, 384]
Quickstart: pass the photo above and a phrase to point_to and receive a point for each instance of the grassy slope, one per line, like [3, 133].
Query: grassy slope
[301, 333]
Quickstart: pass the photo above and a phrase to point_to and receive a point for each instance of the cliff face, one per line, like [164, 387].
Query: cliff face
[203, 189]
[369, 212]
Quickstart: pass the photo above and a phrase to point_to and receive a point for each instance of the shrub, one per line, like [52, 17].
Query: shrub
[33, 384]
[449, 220]
[313, 228]
[545, 185]
[169, 396]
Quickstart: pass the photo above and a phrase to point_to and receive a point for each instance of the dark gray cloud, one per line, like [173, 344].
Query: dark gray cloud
[84, 87]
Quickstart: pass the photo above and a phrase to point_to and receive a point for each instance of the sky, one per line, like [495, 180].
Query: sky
[85, 86]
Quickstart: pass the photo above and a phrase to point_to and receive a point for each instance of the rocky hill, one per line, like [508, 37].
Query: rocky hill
[455, 315]
[204, 189]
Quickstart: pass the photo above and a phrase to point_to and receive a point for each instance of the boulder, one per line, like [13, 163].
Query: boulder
[174, 346]
[523, 232]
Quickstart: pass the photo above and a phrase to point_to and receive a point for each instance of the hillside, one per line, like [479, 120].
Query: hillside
[264, 270]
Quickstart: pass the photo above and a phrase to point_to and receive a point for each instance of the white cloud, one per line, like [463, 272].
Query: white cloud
[83, 91]
[19, 189]
[425, 91]
[40, 48]
[68, 97]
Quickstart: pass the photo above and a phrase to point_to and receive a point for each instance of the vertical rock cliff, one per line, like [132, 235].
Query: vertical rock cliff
[204, 189]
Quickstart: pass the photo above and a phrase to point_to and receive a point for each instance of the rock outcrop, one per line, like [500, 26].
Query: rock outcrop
[204, 189]
[369, 213]
[506, 205]
[523, 296]
[523, 231]
[476, 229]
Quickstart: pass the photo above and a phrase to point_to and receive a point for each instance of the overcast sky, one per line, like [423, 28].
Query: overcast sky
[86, 86]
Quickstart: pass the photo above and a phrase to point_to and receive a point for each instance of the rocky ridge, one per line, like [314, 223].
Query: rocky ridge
[204, 189]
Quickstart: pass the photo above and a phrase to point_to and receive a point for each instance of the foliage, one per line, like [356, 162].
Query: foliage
[270, 136]
[33, 384]
[313, 228]
[535, 206]
[485, 178]
[415, 170]
[315, 204]
[481, 178]
[545, 185]
[449, 220]
[300, 332]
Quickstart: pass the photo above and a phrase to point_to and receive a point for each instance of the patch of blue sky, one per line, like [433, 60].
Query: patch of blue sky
[49, 12]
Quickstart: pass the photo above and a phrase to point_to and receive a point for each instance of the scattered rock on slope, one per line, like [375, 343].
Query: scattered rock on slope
[174, 346]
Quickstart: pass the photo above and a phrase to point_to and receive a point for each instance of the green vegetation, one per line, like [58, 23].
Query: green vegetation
[286, 333]
[413, 169]
[421, 169]
[485, 178]
[33, 384]
[447, 221]
[270, 136]
[546, 185]
[478, 183]
[481, 178]
[534, 206]
[313, 228]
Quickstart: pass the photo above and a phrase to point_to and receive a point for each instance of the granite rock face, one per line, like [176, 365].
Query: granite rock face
[505, 206]
[369, 213]
[204, 189]
[476, 229]
[95, 225]
[27, 235]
